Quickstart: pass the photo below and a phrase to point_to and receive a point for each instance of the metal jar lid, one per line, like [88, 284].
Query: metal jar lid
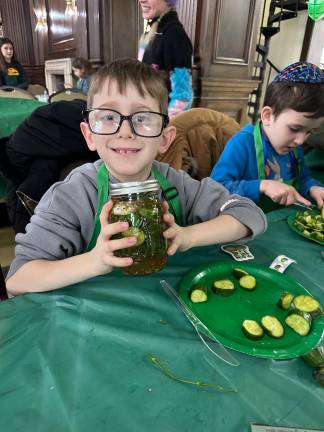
[133, 187]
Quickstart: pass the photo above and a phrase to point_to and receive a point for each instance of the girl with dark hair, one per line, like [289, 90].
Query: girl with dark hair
[166, 46]
[82, 70]
[11, 71]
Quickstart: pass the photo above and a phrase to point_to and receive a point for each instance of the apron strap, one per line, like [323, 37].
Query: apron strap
[103, 191]
[259, 150]
[171, 195]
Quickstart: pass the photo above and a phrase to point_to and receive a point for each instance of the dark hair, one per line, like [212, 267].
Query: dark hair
[142, 76]
[82, 63]
[3, 63]
[300, 97]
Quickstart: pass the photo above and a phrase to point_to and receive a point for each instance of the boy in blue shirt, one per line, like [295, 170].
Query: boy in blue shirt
[265, 162]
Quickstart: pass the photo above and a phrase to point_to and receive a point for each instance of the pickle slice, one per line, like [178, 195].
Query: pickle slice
[124, 208]
[238, 272]
[135, 232]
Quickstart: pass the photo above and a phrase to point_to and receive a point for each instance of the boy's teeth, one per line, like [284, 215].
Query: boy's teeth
[126, 151]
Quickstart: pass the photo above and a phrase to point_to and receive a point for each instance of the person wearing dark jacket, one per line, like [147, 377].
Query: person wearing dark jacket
[33, 157]
[166, 46]
[11, 71]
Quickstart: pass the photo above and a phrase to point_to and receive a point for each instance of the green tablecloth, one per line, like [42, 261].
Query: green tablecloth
[314, 159]
[74, 360]
[13, 111]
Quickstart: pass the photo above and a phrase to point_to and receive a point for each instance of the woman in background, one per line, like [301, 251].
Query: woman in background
[166, 46]
[11, 71]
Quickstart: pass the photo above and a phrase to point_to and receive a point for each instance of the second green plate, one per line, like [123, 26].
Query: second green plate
[224, 315]
[290, 220]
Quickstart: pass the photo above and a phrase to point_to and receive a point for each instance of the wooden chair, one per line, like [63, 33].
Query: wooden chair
[3, 290]
[37, 89]
[67, 95]
[15, 92]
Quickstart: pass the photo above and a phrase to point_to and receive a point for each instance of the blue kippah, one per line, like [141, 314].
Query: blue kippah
[301, 72]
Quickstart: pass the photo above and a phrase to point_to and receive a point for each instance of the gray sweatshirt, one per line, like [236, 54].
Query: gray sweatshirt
[63, 221]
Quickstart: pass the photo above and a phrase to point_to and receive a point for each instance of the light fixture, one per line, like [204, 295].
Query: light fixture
[71, 8]
[41, 20]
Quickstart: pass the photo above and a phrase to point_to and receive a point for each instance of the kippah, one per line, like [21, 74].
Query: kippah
[301, 72]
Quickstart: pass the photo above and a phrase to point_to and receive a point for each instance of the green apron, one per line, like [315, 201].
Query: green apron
[265, 202]
[170, 193]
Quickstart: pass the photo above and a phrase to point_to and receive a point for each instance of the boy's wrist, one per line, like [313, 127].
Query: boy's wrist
[262, 186]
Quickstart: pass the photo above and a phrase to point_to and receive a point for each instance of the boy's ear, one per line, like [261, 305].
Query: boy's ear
[88, 136]
[168, 136]
[266, 115]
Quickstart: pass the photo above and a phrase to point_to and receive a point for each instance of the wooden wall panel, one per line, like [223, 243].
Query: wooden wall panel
[235, 49]
[61, 31]
[18, 29]
[120, 29]
[229, 37]
[227, 40]
[187, 11]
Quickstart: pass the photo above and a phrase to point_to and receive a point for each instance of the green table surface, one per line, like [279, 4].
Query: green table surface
[13, 111]
[75, 359]
[314, 159]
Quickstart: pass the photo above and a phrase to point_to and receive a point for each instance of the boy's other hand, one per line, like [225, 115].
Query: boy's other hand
[282, 193]
[102, 254]
[317, 192]
[175, 234]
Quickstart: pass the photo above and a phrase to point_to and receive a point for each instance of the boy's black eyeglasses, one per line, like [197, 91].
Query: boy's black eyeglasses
[104, 121]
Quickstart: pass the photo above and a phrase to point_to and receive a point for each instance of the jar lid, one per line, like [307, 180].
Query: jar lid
[133, 187]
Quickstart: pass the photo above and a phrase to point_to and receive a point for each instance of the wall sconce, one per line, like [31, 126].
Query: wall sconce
[71, 8]
[41, 20]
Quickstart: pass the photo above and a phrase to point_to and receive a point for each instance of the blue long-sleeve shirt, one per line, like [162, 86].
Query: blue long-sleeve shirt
[237, 167]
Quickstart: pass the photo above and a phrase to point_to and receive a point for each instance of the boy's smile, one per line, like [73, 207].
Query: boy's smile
[128, 157]
[289, 129]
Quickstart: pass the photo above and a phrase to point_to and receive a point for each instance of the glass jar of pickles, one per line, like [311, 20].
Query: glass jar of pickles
[138, 204]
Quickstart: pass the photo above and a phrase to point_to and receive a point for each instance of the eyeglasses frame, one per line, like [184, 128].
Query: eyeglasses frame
[165, 122]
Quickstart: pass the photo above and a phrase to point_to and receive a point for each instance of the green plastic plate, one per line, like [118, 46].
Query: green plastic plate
[224, 315]
[290, 220]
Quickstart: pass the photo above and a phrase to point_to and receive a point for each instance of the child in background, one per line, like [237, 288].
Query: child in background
[127, 125]
[82, 70]
[11, 71]
[265, 162]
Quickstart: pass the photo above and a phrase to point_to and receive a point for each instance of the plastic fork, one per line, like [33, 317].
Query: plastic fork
[202, 331]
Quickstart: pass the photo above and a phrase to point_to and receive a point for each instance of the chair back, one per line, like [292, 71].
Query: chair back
[15, 92]
[201, 137]
[36, 89]
[67, 95]
[3, 290]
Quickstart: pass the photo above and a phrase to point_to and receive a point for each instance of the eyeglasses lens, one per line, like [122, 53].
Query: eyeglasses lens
[145, 123]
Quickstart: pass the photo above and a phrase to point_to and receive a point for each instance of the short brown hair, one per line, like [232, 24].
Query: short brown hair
[82, 63]
[142, 76]
[300, 97]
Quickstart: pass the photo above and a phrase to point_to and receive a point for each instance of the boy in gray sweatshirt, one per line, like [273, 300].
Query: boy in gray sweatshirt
[127, 124]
